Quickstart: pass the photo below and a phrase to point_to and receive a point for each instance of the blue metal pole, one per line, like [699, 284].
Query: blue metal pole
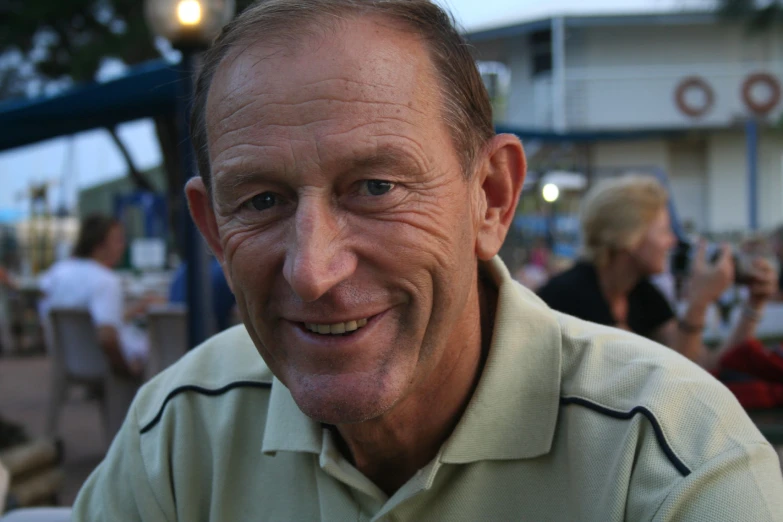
[197, 278]
[551, 229]
[752, 146]
[677, 227]
[559, 117]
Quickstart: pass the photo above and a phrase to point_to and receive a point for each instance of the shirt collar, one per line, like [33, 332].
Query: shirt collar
[287, 428]
[512, 413]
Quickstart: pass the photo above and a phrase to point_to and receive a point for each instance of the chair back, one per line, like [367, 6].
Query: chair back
[6, 335]
[38, 515]
[75, 343]
[167, 326]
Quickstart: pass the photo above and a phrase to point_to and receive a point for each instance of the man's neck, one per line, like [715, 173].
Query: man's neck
[391, 449]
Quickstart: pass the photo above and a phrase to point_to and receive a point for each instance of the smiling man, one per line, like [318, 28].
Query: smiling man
[356, 195]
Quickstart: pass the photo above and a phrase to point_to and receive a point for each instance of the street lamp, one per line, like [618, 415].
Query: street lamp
[550, 192]
[190, 26]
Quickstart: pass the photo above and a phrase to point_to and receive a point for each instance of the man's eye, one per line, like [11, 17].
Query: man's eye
[376, 187]
[264, 201]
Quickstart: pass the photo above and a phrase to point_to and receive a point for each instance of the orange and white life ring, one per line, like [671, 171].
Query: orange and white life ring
[764, 106]
[694, 83]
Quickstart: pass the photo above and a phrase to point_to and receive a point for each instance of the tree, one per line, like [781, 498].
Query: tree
[64, 42]
[759, 15]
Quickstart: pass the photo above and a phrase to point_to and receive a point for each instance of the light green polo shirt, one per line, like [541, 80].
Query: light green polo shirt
[570, 421]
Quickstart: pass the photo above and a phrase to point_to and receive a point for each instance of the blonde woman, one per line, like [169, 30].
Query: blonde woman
[627, 238]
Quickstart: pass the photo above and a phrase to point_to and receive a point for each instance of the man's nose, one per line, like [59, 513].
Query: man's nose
[318, 258]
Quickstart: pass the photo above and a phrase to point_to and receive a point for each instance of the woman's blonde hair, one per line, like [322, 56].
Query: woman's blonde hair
[616, 213]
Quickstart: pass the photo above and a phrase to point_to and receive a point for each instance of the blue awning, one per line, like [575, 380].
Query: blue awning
[590, 136]
[151, 89]
[146, 90]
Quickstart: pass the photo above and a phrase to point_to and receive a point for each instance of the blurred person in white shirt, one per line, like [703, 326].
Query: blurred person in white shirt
[86, 280]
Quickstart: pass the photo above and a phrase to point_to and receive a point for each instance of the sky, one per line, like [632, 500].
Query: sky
[89, 158]
[476, 14]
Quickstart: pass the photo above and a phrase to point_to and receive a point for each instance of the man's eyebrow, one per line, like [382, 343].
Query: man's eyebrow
[232, 181]
[248, 174]
[385, 159]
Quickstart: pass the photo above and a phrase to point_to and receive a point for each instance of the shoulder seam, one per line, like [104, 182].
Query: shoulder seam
[203, 391]
[625, 415]
[736, 447]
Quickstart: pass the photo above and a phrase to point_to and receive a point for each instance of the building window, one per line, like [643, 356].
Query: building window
[497, 80]
[541, 51]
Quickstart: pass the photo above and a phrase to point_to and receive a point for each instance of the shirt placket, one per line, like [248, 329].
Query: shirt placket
[344, 492]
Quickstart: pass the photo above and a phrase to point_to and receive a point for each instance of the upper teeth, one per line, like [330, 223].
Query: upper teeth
[336, 329]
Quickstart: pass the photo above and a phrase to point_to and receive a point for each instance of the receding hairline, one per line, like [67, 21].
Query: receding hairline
[309, 32]
[293, 39]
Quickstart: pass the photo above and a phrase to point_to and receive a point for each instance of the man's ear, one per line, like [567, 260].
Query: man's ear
[203, 215]
[502, 175]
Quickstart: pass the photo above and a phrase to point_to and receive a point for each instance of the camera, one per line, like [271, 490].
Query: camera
[685, 252]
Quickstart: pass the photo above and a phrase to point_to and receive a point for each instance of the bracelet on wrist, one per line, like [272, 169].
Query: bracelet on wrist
[690, 328]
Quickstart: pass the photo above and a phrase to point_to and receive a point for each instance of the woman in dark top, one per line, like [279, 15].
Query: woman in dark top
[578, 292]
[627, 238]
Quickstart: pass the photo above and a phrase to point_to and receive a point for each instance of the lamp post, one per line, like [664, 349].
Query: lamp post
[190, 26]
[551, 193]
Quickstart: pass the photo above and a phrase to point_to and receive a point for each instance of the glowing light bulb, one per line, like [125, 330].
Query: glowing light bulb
[550, 192]
[189, 12]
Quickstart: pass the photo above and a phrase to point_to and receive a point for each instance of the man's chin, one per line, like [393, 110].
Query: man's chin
[341, 399]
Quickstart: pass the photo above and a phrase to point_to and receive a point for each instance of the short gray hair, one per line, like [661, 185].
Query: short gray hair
[467, 109]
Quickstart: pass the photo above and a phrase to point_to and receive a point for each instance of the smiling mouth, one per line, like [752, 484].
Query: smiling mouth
[336, 328]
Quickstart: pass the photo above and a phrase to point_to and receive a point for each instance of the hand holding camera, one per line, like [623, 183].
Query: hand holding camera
[710, 279]
[763, 284]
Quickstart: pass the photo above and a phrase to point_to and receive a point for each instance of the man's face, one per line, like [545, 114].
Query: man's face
[114, 245]
[339, 200]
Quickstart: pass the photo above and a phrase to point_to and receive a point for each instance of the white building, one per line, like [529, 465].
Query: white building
[623, 85]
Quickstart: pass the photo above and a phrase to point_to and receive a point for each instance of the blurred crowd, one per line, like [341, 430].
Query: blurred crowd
[633, 273]
[88, 279]
[534, 264]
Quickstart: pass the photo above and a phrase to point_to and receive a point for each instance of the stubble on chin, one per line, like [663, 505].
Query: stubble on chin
[346, 399]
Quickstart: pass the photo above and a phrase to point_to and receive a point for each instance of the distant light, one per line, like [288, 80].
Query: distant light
[550, 192]
[189, 12]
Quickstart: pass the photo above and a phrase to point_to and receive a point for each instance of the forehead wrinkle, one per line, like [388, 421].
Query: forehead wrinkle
[233, 153]
[309, 31]
[379, 149]
[264, 131]
[227, 111]
[331, 125]
[225, 132]
[349, 81]
[234, 87]
[240, 80]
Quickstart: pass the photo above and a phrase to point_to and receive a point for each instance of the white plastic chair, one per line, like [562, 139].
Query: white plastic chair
[38, 515]
[78, 359]
[167, 326]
